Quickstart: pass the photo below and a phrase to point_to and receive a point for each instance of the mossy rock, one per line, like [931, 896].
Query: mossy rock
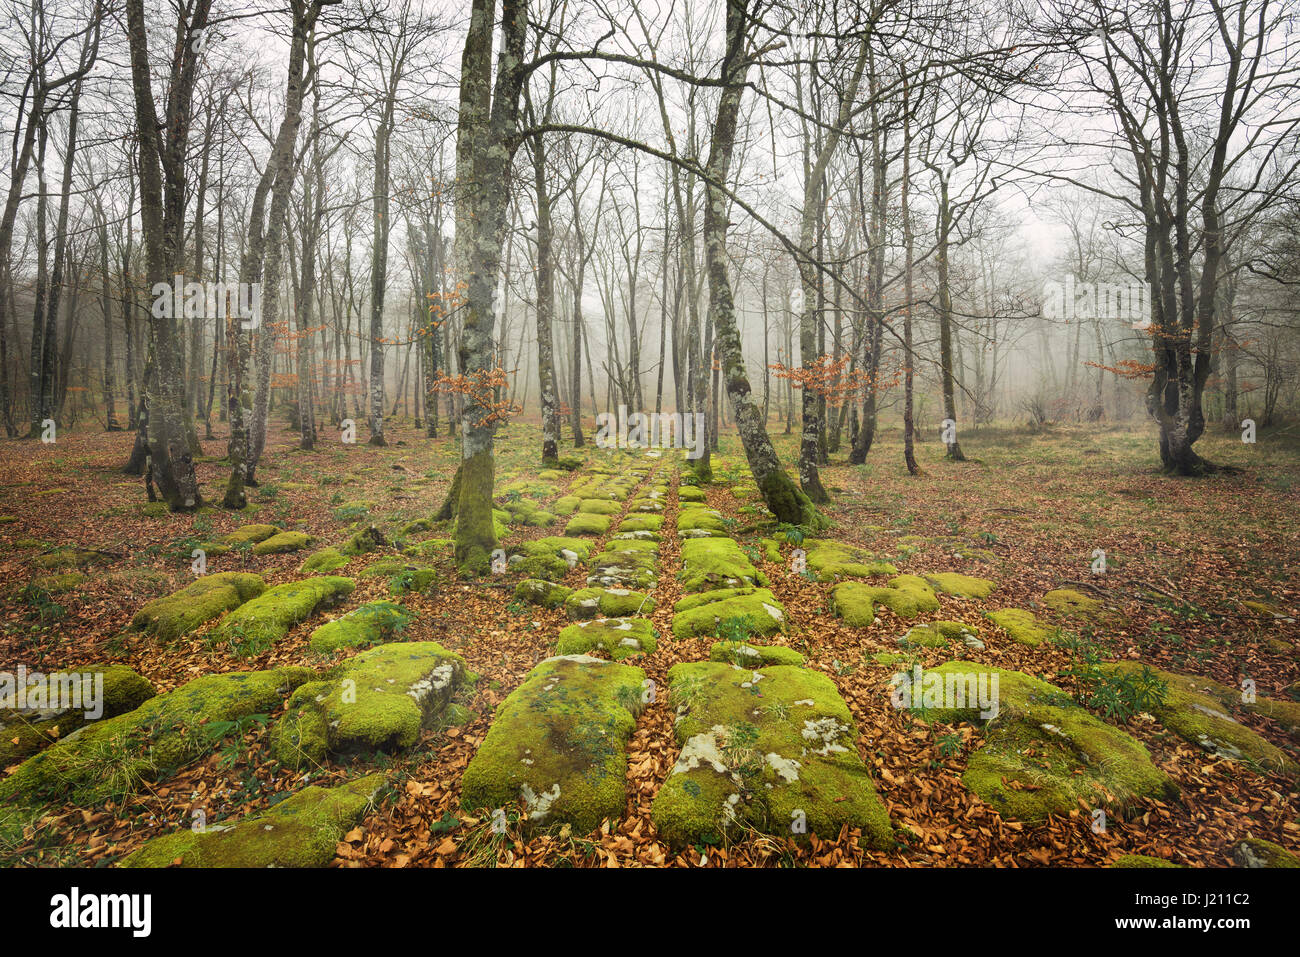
[641, 523]
[67, 558]
[550, 475]
[597, 506]
[558, 743]
[113, 689]
[417, 526]
[771, 749]
[1200, 711]
[181, 612]
[1140, 861]
[1042, 753]
[282, 542]
[577, 549]
[369, 539]
[831, 560]
[907, 596]
[756, 608]
[610, 602]
[403, 575]
[1067, 601]
[1022, 626]
[300, 831]
[370, 624]
[700, 519]
[110, 758]
[547, 567]
[923, 636]
[690, 493]
[378, 700]
[566, 504]
[1255, 852]
[539, 591]
[962, 586]
[250, 534]
[324, 561]
[747, 655]
[431, 548]
[618, 638]
[268, 618]
[712, 563]
[585, 523]
[55, 584]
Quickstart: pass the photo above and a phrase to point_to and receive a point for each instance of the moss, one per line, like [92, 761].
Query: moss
[773, 749]
[610, 602]
[711, 563]
[923, 636]
[215, 549]
[906, 596]
[556, 545]
[1200, 711]
[268, 618]
[587, 524]
[369, 539]
[112, 757]
[369, 624]
[702, 519]
[566, 504]
[59, 583]
[300, 831]
[26, 731]
[404, 575]
[546, 567]
[67, 558]
[1066, 601]
[753, 656]
[1022, 626]
[596, 506]
[537, 591]
[559, 744]
[324, 561]
[416, 527]
[1042, 753]
[830, 560]
[1256, 852]
[183, 611]
[250, 534]
[689, 493]
[855, 603]
[771, 550]
[963, 586]
[1140, 861]
[701, 614]
[641, 523]
[888, 659]
[378, 700]
[788, 503]
[283, 542]
[618, 638]
[431, 548]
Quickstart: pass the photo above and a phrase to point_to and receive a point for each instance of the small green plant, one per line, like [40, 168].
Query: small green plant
[949, 745]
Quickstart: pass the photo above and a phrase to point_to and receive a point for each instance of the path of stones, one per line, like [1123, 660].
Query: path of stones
[674, 707]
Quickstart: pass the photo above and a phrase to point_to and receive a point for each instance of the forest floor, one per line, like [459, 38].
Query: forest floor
[1026, 511]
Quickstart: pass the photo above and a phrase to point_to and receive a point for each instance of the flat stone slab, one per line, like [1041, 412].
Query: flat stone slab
[749, 655]
[830, 560]
[558, 744]
[610, 602]
[378, 700]
[773, 749]
[907, 596]
[266, 619]
[755, 609]
[618, 638]
[300, 831]
[183, 611]
[712, 563]
[1022, 626]
[373, 623]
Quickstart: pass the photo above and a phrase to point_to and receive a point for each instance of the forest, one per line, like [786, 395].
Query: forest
[649, 433]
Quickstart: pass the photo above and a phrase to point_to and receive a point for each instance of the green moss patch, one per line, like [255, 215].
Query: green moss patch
[610, 602]
[539, 591]
[618, 638]
[830, 560]
[1140, 861]
[378, 700]
[117, 756]
[700, 519]
[324, 561]
[116, 689]
[963, 586]
[370, 624]
[54, 584]
[183, 611]
[1042, 753]
[641, 523]
[262, 622]
[300, 831]
[1023, 626]
[747, 655]
[756, 610]
[597, 506]
[772, 749]
[403, 574]
[907, 596]
[712, 563]
[1256, 852]
[689, 493]
[250, 534]
[282, 542]
[558, 744]
[585, 523]
[1067, 601]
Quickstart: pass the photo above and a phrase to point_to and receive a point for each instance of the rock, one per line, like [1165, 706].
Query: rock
[1256, 852]
[262, 622]
[712, 563]
[1140, 860]
[702, 613]
[250, 534]
[584, 523]
[1042, 752]
[300, 831]
[610, 602]
[782, 760]
[963, 586]
[373, 623]
[690, 493]
[367, 540]
[378, 700]
[181, 612]
[1067, 601]
[324, 561]
[1022, 626]
[538, 591]
[830, 560]
[111, 758]
[753, 656]
[907, 596]
[618, 638]
[558, 743]
[700, 519]
[597, 506]
[25, 731]
[641, 523]
[282, 542]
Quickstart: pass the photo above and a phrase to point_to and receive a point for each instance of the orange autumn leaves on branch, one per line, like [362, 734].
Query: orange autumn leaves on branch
[1129, 369]
[480, 390]
[827, 378]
